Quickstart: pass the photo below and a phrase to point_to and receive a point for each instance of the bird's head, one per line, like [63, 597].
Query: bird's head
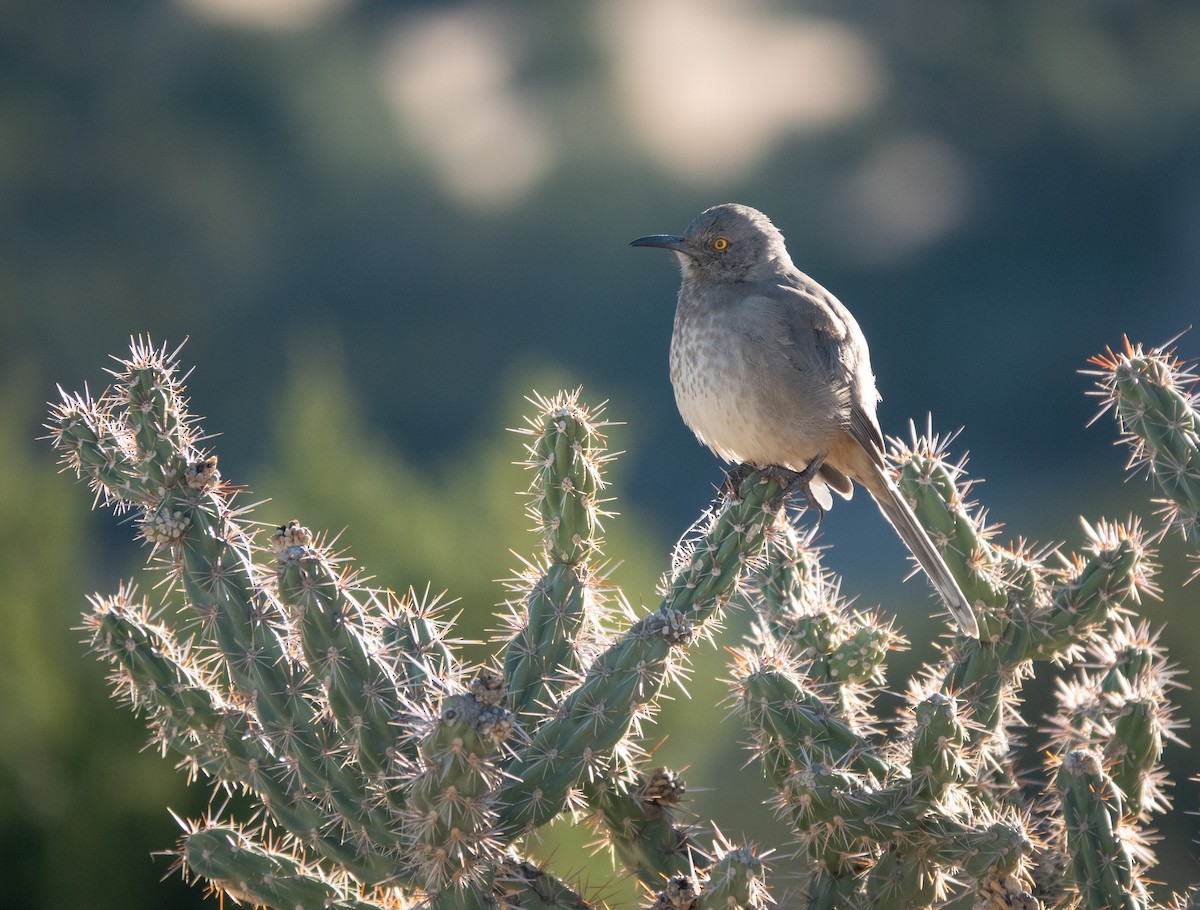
[727, 242]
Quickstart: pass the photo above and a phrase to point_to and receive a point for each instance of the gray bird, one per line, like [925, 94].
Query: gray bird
[771, 370]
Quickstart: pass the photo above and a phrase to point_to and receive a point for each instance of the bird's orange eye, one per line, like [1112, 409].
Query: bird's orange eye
[720, 243]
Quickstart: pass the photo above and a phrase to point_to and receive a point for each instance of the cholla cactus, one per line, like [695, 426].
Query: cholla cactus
[392, 775]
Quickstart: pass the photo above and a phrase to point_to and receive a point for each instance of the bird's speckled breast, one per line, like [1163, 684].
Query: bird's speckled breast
[712, 375]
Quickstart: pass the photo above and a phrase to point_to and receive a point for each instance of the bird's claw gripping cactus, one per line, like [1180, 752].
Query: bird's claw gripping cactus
[391, 774]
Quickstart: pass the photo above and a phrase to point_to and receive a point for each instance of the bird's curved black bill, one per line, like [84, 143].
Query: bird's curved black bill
[666, 242]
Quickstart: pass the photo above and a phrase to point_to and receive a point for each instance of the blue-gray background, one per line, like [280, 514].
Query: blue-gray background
[382, 223]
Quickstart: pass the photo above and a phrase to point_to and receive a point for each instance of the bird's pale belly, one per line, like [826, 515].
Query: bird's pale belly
[740, 421]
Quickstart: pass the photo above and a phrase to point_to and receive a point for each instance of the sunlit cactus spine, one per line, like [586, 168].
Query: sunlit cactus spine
[391, 775]
[1189, 900]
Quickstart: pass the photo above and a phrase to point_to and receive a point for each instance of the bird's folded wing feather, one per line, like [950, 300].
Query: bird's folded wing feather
[809, 332]
[865, 430]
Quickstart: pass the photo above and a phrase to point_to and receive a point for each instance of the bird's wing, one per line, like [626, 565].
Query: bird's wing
[814, 334]
[819, 337]
[810, 333]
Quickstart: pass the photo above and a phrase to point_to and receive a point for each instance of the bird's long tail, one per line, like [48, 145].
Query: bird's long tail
[901, 516]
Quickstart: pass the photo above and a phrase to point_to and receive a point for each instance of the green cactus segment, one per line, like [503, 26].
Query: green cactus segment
[1131, 659]
[359, 688]
[1102, 866]
[1120, 709]
[1157, 413]
[523, 886]
[136, 441]
[152, 667]
[624, 680]
[555, 622]
[914, 874]
[937, 761]
[150, 392]
[930, 484]
[869, 825]
[903, 833]
[790, 581]
[732, 538]
[636, 813]
[986, 684]
[858, 658]
[448, 823]
[189, 716]
[980, 847]
[839, 650]
[1134, 682]
[800, 603]
[567, 456]
[1133, 754]
[902, 879]
[1009, 585]
[792, 725]
[248, 629]
[252, 874]
[474, 895]
[838, 814]
[835, 884]
[413, 634]
[736, 881]
[596, 716]
[191, 524]
[1116, 574]
[87, 446]
[838, 854]
[545, 651]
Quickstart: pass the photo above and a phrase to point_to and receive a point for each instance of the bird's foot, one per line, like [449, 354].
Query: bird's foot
[788, 479]
[804, 481]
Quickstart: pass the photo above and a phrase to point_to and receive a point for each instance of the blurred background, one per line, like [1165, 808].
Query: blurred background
[381, 224]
